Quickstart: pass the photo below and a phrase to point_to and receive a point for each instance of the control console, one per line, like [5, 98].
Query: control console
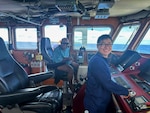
[138, 103]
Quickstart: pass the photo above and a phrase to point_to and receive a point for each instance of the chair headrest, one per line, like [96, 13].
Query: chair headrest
[46, 43]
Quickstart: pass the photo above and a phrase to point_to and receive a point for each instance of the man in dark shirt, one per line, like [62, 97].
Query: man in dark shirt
[99, 86]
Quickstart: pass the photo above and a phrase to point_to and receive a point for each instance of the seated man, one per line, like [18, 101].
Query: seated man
[62, 54]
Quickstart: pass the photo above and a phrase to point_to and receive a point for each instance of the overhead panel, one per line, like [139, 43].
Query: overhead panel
[102, 14]
[66, 5]
[105, 4]
[103, 9]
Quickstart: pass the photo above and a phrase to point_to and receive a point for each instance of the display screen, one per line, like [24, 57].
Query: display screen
[121, 81]
[140, 100]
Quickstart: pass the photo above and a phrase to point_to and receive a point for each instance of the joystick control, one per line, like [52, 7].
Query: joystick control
[132, 93]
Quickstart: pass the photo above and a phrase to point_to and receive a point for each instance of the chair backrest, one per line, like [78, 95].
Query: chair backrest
[46, 50]
[12, 75]
[47, 53]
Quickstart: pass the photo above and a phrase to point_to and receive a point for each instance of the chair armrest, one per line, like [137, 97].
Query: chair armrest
[39, 77]
[47, 88]
[24, 95]
[20, 96]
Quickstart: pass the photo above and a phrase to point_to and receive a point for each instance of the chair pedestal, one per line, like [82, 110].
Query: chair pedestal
[65, 87]
[67, 99]
[67, 94]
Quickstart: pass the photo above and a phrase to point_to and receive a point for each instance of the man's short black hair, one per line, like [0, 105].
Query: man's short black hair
[103, 37]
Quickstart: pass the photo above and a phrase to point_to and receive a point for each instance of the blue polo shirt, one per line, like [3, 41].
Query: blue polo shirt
[99, 86]
[59, 54]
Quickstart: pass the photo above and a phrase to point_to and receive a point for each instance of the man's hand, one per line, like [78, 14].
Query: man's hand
[66, 59]
[126, 97]
[131, 94]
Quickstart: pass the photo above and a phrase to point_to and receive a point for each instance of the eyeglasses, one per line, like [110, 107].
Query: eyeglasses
[65, 43]
[105, 45]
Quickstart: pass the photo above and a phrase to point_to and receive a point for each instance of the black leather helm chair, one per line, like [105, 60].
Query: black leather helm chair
[16, 91]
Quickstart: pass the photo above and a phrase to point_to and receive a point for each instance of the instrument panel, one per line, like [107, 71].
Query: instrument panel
[139, 82]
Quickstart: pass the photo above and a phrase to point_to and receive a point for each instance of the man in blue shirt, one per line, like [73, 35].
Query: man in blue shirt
[62, 54]
[99, 86]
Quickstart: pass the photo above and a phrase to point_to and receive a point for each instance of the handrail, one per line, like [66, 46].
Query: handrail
[118, 110]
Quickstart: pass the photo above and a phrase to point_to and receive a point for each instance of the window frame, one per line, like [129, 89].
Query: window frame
[4, 37]
[36, 38]
[129, 40]
[55, 42]
[141, 41]
[96, 37]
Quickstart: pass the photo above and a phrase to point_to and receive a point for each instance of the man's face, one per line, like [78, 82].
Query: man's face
[105, 47]
[64, 44]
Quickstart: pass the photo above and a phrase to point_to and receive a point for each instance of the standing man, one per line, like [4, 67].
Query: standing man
[99, 86]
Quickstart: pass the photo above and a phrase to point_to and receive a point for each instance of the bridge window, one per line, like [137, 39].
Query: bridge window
[26, 38]
[144, 46]
[4, 34]
[86, 36]
[55, 33]
[125, 36]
